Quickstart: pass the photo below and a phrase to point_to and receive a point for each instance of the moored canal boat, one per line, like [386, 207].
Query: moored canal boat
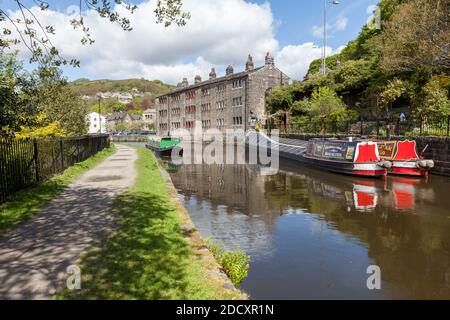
[404, 158]
[352, 157]
[165, 146]
[358, 158]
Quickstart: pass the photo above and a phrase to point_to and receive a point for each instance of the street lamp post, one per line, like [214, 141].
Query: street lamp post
[99, 114]
[324, 56]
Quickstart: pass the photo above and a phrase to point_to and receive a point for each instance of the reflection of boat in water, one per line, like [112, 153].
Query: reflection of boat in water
[363, 195]
[404, 157]
[165, 146]
[358, 158]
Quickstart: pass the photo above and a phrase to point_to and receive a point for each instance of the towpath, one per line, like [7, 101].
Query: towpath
[35, 256]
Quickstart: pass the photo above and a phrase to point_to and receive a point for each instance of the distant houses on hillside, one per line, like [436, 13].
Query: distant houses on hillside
[122, 97]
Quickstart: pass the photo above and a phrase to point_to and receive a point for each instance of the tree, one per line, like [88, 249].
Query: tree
[279, 103]
[16, 87]
[56, 100]
[434, 99]
[324, 104]
[417, 38]
[37, 99]
[36, 37]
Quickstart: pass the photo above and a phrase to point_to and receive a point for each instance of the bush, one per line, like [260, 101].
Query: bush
[235, 263]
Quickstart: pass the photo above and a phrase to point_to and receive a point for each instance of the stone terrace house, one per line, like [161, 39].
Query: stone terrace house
[122, 117]
[236, 100]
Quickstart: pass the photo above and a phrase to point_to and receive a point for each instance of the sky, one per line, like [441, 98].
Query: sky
[220, 32]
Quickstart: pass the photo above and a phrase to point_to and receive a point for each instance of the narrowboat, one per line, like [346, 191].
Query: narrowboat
[165, 146]
[358, 158]
[404, 158]
[352, 157]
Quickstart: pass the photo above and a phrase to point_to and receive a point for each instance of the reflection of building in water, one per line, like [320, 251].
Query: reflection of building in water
[228, 191]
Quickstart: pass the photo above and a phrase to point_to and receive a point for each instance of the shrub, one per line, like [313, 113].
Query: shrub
[235, 263]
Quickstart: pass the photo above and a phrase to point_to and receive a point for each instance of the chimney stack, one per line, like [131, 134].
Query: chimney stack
[212, 74]
[198, 79]
[229, 70]
[249, 66]
[270, 60]
[184, 83]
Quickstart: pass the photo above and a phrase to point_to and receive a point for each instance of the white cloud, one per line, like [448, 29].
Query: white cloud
[295, 59]
[219, 33]
[339, 25]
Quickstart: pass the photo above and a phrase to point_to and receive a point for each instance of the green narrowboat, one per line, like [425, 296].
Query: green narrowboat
[165, 146]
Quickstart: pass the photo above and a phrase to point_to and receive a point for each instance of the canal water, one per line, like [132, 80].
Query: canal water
[313, 234]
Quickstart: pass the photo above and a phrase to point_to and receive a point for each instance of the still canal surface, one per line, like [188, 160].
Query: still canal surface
[313, 234]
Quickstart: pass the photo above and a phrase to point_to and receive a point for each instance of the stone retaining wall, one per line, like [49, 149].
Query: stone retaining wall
[438, 149]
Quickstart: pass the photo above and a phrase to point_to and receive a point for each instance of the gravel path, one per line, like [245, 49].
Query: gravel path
[34, 257]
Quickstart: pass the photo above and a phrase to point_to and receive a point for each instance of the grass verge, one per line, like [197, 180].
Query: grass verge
[147, 257]
[27, 203]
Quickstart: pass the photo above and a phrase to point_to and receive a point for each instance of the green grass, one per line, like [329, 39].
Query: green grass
[147, 257]
[27, 203]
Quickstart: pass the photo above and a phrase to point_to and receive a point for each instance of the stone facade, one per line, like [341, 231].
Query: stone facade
[234, 101]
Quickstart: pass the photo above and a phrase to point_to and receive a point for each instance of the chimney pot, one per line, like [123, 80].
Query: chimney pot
[229, 70]
[212, 74]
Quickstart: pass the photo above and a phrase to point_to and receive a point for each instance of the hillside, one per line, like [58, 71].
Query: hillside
[86, 87]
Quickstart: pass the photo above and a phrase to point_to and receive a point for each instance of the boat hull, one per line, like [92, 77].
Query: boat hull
[369, 169]
[407, 168]
[166, 152]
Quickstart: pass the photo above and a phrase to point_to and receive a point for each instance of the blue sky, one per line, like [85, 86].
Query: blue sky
[221, 32]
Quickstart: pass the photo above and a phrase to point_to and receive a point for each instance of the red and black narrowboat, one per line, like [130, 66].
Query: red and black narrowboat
[358, 158]
[404, 158]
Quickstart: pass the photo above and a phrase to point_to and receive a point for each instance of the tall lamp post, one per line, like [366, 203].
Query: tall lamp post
[324, 56]
[99, 114]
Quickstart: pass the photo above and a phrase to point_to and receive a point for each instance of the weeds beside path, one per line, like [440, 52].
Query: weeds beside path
[27, 203]
[147, 257]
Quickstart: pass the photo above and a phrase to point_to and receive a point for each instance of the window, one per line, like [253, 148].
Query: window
[238, 83]
[220, 123]
[237, 120]
[190, 95]
[176, 97]
[190, 124]
[206, 124]
[190, 109]
[220, 105]
[205, 92]
[220, 87]
[163, 99]
[206, 107]
[237, 102]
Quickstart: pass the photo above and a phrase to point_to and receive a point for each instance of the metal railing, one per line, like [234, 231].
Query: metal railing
[426, 126]
[26, 162]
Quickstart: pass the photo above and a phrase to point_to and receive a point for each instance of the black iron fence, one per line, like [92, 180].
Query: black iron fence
[427, 126]
[25, 162]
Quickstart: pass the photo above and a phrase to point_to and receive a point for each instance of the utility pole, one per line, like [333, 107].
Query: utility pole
[324, 56]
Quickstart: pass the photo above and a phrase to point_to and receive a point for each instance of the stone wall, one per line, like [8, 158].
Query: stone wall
[438, 149]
